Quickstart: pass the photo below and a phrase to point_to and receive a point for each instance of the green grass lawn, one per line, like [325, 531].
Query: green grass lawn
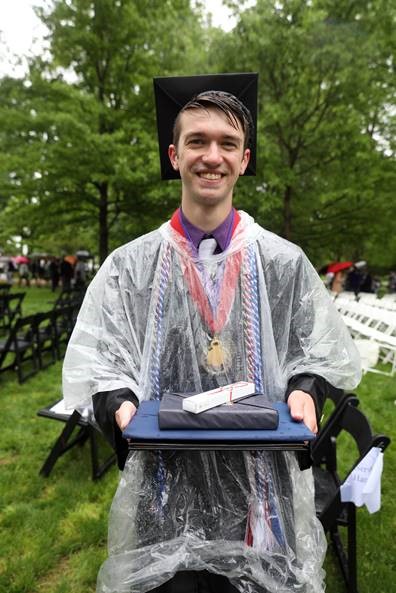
[37, 298]
[53, 530]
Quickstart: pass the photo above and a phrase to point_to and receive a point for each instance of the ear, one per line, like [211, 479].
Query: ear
[172, 154]
[245, 161]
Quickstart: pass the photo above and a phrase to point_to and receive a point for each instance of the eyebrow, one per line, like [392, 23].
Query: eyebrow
[232, 137]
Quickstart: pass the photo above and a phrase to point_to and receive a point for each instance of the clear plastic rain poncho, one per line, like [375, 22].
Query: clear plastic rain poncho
[157, 318]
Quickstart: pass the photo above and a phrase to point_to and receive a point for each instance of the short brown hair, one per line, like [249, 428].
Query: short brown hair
[236, 112]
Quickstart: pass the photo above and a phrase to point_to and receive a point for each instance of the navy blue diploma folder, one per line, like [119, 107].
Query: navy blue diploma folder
[144, 432]
[248, 413]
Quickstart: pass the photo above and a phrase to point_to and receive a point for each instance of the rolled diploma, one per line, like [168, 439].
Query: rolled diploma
[215, 397]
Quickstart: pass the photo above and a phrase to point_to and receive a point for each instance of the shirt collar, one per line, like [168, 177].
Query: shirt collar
[222, 233]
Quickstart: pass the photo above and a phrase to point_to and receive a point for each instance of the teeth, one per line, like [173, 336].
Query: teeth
[211, 175]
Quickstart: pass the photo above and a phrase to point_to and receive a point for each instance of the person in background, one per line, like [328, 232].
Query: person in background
[66, 274]
[41, 273]
[24, 274]
[366, 284]
[80, 274]
[353, 280]
[54, 273]
[392, 282]
[10, 272]
[34, 269]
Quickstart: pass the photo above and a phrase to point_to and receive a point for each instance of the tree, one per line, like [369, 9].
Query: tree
[94, 140]
[326, 84]
[81, 157]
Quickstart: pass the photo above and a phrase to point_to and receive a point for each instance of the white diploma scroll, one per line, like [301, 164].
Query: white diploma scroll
[215, 397]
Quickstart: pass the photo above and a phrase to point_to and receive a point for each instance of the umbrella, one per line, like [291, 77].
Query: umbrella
[71, 259]
[339, 266]
[83, 254]
[21, 259]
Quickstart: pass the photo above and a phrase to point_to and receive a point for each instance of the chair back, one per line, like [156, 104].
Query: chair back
[326, 453]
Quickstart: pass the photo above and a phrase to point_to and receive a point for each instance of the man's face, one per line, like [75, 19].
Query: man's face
[209, 156]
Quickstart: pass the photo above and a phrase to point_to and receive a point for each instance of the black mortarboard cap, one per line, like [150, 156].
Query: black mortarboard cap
[172, 93]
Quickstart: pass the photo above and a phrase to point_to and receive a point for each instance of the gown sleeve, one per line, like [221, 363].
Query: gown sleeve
[317, 387]
[104, 351]
[105, 405]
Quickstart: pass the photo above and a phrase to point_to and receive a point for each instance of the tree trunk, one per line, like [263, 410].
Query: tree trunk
[287, 213]
[103, 222]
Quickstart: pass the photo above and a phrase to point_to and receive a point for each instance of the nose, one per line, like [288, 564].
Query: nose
[212, 155]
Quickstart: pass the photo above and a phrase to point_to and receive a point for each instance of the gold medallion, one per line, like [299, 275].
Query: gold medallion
[217, 356]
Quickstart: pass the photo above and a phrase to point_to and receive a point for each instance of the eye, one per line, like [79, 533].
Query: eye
[195, 142]
[230, 145]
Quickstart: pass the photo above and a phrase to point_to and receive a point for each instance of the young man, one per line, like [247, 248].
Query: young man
[208, 299]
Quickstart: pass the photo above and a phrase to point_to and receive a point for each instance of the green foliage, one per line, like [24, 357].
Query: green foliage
[326, 163]
[78, 152]
[85, 153]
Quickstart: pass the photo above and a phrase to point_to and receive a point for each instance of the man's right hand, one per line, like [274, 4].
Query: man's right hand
[124, 414]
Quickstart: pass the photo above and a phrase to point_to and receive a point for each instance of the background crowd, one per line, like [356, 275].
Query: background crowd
[65, 272]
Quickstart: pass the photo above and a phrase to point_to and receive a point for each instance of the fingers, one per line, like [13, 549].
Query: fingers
[302, 409]
[124, 414]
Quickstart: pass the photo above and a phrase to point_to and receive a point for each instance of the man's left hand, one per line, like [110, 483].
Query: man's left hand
[302, 408]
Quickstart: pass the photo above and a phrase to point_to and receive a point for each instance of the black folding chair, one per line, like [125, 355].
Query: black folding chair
[18, 351]
[63, 319]
[337, 398]
[83, 430]
[10, 308]
[332, 512]
[46, 339]
[70, 296]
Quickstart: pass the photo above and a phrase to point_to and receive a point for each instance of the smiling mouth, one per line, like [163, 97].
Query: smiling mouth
[210, 176]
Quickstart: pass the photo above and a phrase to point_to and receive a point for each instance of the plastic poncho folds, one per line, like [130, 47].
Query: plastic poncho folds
[156, 318]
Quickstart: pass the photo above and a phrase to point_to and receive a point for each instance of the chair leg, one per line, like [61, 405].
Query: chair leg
[60, 445]
[347, 559]
[341, 555]
[21, 359]
[98, 469]
[352, 564]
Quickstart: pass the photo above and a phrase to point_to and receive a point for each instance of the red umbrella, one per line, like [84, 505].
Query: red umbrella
[21, 259]
[339, 266]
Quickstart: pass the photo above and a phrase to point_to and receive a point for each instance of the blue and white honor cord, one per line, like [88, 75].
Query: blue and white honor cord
[165, 266]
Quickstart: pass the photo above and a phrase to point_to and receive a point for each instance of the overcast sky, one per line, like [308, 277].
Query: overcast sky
[19, 27]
